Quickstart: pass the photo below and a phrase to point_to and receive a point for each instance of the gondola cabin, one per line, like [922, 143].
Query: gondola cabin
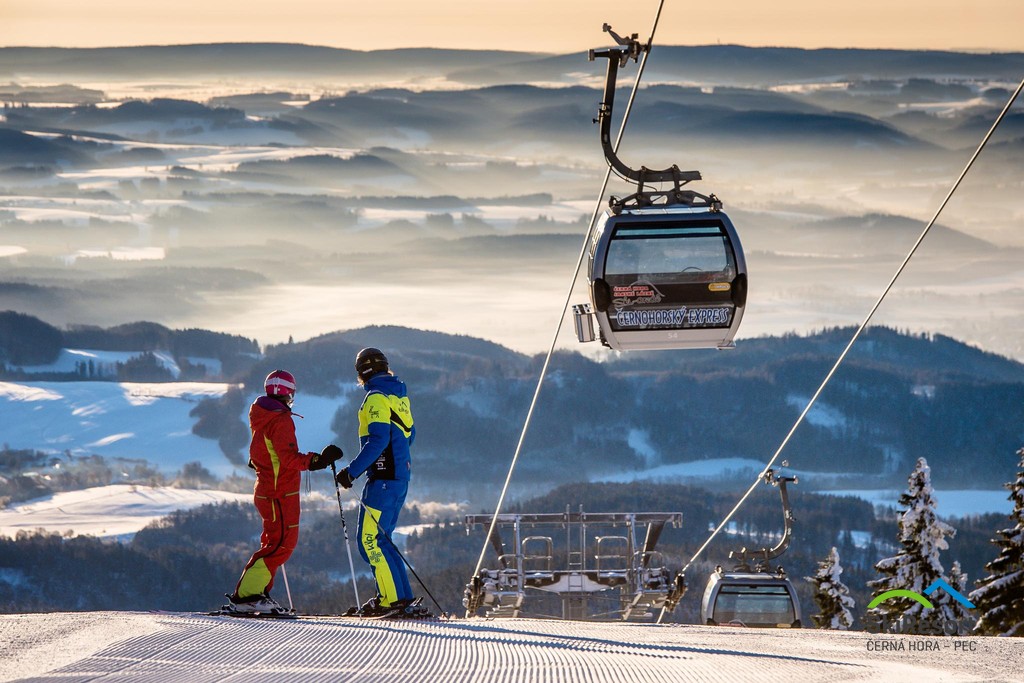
[670, 277]
[756, 599]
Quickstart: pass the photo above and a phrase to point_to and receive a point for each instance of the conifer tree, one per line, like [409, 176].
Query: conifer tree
[1000, 595]
[831, 595]
[957, 581]
[922, 536]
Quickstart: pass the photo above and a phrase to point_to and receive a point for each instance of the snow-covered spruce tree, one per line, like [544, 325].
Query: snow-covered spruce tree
[922, 536]
[1000, 595]
[831, 595]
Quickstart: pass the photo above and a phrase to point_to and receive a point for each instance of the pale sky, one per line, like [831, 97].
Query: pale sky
[528, 25]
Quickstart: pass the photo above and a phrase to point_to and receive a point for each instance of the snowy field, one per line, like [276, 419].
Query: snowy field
[711, 468]
[112, 419]
[949, 502]
[72, 360]
[146, 421]
[116, 511]
[166, 648]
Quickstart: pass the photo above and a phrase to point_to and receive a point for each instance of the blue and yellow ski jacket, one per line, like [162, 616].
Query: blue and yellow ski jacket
[386, 431]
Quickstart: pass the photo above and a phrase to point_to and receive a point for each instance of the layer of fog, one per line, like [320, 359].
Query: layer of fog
[253, 231]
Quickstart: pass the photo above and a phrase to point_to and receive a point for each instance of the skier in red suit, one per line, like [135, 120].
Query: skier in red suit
[274, 455]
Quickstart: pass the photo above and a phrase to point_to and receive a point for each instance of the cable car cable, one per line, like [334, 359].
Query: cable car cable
[859, 330]
[568, 298]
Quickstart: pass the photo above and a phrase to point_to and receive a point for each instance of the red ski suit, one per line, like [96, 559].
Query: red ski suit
[275, 456]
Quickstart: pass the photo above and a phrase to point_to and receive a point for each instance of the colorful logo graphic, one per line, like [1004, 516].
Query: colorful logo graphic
[936, 585]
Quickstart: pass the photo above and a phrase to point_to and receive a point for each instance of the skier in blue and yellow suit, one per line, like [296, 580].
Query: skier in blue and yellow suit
[386, 431]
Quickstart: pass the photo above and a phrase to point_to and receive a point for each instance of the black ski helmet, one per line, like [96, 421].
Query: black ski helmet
[370, 362]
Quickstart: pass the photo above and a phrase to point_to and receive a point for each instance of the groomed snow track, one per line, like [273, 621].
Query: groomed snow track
[164, 647]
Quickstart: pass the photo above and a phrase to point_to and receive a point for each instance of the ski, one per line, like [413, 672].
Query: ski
[414, 611]
[411, 612]
[392, 616]
[252, 615]
[355, 617]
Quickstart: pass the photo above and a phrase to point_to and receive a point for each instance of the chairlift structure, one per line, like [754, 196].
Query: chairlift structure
[596, 563]
[666, 268]
[754, 593]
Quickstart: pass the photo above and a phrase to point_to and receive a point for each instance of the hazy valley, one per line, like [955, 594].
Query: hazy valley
[260, 190]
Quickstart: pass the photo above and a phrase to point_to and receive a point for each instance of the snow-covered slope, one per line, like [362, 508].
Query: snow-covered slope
[166, 648]
[147, 421]
[135, 420]
[101, 363]
[952, 502]
[105, 511]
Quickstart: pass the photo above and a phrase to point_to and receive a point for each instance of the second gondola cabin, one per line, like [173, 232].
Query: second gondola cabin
[756, 599]
[671, 277]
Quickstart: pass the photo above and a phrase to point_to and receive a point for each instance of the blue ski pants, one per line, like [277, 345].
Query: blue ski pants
[382, 502]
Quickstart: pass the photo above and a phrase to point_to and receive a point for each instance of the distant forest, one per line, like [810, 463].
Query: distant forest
[896, 398]
[29, 474]
[188, 560]
[27, 341]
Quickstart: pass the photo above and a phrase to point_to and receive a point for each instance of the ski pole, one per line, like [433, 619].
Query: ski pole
[376, 520]
[344, 528]
[287, 590]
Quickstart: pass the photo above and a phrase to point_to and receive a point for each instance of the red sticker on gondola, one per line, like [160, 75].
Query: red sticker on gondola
[632, 290]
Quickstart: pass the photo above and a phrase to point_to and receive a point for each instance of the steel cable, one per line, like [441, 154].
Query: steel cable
[568, 298]
[859, 330]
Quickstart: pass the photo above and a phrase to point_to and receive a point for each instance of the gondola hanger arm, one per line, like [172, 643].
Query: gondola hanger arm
[764, 556]
[618, 56]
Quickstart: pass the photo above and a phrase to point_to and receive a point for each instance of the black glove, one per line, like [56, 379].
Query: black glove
[323, 459]
[344, 479]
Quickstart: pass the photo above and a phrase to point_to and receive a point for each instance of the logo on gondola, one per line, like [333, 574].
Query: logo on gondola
[639, 293]
[660, 317]
[673, 318]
